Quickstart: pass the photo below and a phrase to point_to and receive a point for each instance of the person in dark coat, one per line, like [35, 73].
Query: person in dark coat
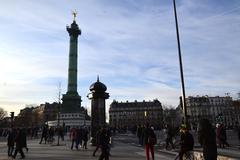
[78, 137]
[97, 141]
[169, 139]
[186, 141]
[24, 139]
[149, 140]
[44, 134]
[10, 141]
[104, 144]
[207, 139]
[85, 137]
[139, 134]
[19, 144]
[223, 136]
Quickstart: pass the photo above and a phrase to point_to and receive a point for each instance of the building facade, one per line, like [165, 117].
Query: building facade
[216, 109]
[130, 114]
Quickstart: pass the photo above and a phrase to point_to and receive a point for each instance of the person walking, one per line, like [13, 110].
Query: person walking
[207, 139]
[169, 139]
[139, 134]
[149, 140]
[61, 133]
[97, 142]
[78, 137]
[85, 137]
[44, 134]
[104, 144]
[218, 140]
[10, 142]
[223, 136]
[73, 137]
[19, 144]
[186, 141]
[24, 139]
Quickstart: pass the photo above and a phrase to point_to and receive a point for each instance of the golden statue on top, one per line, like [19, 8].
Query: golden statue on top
[74, 13]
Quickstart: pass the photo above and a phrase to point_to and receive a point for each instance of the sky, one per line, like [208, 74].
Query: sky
[130, 44]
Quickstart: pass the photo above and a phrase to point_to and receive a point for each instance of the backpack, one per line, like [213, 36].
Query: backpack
[152, 140]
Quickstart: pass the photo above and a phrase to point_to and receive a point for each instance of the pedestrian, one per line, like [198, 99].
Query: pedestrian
[10, 141]
[97, 142]
[206, 137]
[104, 144]
[109, 134]
[73, 136]
[149, 140]
[61, 133]
[186, 141]
[223, 136]
[139, 134]
[80, 136]
[218, 141]
[169, 139]
[44, 134]
[19, 144]
[24, 139]
[50, 135]
[85, 137]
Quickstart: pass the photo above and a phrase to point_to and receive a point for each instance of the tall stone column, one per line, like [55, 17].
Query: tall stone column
[73, 31]
[71, 100]
[98, 116]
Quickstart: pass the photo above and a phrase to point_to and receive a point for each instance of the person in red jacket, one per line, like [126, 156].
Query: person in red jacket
[73, 137]
[149, 140]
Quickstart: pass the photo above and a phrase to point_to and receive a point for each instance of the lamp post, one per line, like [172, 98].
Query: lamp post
[58, 123]
[180, 64]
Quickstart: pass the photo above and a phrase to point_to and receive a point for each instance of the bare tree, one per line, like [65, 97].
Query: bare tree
[3, 113]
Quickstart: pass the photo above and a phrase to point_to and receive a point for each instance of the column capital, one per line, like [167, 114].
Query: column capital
[74, 30]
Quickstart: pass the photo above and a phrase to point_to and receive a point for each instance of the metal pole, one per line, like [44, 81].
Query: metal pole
[180, 63]
[12, 116]
[59, 103]
[58, 126]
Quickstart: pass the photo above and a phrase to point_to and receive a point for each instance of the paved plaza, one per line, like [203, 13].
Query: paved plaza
[125, 147]
[120, 151]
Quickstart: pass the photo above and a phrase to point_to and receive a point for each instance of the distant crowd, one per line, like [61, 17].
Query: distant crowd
[209, 137]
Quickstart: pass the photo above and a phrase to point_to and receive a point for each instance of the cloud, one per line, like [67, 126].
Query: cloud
[130, 44]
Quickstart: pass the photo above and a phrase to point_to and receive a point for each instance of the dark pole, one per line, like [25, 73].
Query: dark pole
[58, 125]
[12, 116]
[58, 120]
[180, 63]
